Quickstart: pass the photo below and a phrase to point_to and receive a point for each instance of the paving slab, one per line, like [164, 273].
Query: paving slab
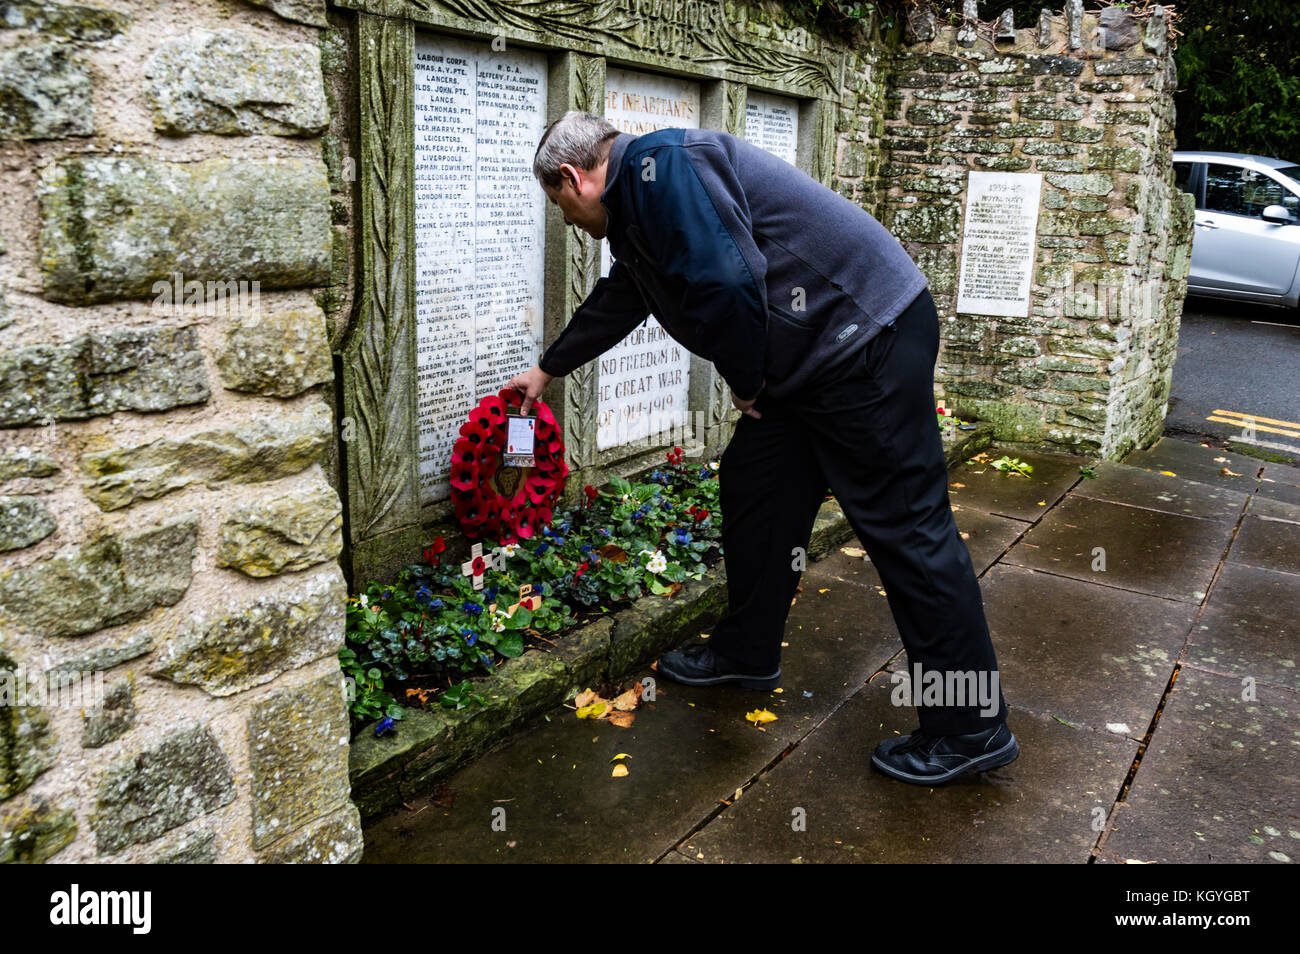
[1147, 551]
[1267, 542]
[1220, 780]
[1038, 809]
[987, 535]
[1092, 655]
[1280, 482]
[1262, 506]
[689, 748]
[1250, 626]
[1200, 463]
[981, 487]
[1136, 487]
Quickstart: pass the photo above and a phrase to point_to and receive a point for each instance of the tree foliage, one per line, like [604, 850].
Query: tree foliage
[1239, 77]
[1238, 62]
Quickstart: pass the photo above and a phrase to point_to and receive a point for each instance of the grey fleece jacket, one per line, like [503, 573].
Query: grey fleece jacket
[745, 260]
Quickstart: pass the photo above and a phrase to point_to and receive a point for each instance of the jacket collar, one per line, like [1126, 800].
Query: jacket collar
[615, 164]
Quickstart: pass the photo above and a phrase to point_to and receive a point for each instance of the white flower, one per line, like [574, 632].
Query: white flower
[658, 562]
[498, 622]
[713, 464]
[510, 549]
[626, 498]
[362, 600]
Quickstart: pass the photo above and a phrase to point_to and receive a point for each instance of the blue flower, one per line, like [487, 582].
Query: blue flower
[436, 604]
[490, 594]
[486, 659]
[682, 537]
[385, 725]
[472, 608]
[604, 531]
[542, 548]
[704, 473]
[585, 548]
[471, 638]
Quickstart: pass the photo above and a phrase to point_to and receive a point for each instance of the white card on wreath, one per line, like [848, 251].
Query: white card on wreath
[520, 435]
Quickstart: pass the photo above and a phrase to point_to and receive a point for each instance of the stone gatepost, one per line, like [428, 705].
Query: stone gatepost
[1062, 292]
[171, 605]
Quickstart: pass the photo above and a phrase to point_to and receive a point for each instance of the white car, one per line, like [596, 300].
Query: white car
[1246, 244]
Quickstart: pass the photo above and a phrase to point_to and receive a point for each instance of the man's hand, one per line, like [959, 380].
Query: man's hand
[531, 384]
[747, 407]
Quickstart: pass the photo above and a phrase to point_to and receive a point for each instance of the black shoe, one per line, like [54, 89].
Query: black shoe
[698, 666]
[925, 759]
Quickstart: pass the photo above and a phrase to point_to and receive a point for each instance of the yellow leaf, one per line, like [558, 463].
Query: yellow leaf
[1042, 503]
[620, 757]
[827, 590]
[619, 771]
[760, 716]
[1169, 473]
[592, 711]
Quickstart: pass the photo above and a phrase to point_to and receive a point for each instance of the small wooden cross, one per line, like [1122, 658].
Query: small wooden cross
[476, 565]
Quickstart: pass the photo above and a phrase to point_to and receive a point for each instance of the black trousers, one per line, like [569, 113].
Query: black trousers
[869, 435]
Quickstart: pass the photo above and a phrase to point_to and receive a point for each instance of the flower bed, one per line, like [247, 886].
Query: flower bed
[420, 641]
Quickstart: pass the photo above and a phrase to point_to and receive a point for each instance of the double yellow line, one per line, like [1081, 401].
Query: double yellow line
[1260, 423]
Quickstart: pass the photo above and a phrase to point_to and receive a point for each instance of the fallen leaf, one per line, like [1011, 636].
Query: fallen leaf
[778, 691]
[965, 535]
[1222, 460]
[760, 716]
[619, 771]
[628, 700]
[827, 590]
[583, 699]
[1169, 473]
[853, 551]
[1228, 473]
[593, 711]
[623, 720]
[613, 553]
[620, 757]
[1042, 503]
[957, 485]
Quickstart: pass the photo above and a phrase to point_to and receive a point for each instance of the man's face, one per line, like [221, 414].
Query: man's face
[579, 198]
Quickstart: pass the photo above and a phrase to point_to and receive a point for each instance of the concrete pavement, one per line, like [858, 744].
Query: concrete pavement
[1146, 628]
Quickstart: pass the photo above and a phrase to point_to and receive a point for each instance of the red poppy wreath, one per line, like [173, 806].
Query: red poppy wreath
[492, 500]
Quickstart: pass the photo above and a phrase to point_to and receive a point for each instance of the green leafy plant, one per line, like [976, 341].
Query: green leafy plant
[431, 627]
[1013, 466]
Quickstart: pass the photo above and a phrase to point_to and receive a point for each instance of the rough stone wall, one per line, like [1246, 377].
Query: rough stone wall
[1085, 99]
[166, 524]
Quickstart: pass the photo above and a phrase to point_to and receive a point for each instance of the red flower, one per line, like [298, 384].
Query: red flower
[701, 515]
[431, 552]
[582, 566]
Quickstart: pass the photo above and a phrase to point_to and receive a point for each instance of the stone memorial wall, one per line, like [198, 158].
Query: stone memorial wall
[258, 258]
[1080, 356]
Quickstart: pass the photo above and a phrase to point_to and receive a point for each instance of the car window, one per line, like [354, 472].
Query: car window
[1239, 191]
[1183, 176]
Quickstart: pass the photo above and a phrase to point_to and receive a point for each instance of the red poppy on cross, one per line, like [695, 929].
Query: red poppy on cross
[475, 565]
